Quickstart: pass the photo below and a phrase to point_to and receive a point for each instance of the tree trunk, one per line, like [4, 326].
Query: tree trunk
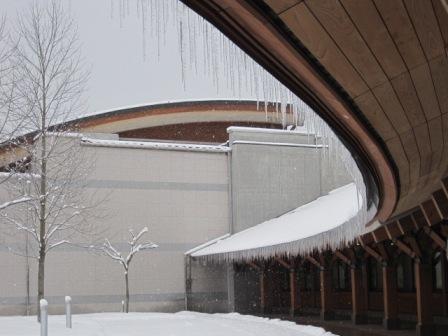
[43, 205]
[126, 302]
[40, 281]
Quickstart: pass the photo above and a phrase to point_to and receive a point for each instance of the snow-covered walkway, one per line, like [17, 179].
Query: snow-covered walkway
[159, 324]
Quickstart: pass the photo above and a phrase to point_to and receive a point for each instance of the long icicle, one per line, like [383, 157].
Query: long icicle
[229, 67]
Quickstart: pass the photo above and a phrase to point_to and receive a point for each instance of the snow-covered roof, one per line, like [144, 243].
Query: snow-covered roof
[300, 231]
[155, 145]
[295, 131]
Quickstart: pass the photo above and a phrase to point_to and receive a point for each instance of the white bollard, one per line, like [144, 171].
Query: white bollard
[122, 306]
[43, 317]
[68, 312]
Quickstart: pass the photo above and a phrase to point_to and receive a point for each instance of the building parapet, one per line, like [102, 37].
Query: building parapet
[155, 145]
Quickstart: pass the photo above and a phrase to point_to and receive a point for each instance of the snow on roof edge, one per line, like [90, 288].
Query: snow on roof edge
[333, 238]
[298, 131]
[281, 144]
[208, 243]
[155, 145]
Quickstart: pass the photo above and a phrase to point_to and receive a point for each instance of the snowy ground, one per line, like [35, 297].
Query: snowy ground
[159, 324]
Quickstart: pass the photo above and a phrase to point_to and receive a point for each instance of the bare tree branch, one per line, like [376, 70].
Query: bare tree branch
[43, 91]
[134, 247]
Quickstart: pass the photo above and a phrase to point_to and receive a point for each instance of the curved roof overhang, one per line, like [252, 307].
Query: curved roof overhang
[122, 120]
[253, 27]
[154, 115]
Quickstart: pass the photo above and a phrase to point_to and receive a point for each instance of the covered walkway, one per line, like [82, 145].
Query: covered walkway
[346, 328]
[321, 223]
[397, 280]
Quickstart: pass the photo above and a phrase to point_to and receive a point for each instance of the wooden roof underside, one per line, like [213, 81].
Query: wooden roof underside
[132, 118]
[376, 70]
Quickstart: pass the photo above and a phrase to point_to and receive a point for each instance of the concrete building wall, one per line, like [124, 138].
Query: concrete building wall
[13, 267]
[209, 287]
[181, 196]
[333, 175]
[273, 172]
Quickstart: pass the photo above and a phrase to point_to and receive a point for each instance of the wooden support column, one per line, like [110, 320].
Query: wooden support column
[445, 286]
[390, 321]
[293, 291]
[263, 285]
[423, 286]
[444, 232]
[365, 284]
[316, 298]
[263, 290]
[188, 282]
[292, 284]
[326, 312]
[359, 308]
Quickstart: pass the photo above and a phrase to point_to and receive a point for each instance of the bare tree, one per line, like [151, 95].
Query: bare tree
[134, 247]
[7, 85]
[10, 123]
[49, 82]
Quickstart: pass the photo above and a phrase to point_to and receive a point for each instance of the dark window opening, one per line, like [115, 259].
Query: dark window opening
[310, 278]
[437, 276]
[405, 274]
[374, 273]
[341, 276]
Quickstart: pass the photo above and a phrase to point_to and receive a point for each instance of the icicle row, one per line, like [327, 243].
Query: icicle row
[205, 49]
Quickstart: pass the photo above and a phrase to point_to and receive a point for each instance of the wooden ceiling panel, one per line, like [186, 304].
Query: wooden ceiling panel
[340, 27]
[403, 204]
[425, 22]
[370, 25]
[436, 136]
[369, 105]
[389, 56]
[400, 27]
[413, 156]
[305, 26]
[388, 44]
[396, 149]
[442, 19]
[421, 76]
[405, 90]
[444, 161]
[392, 107]
[279, 6]
[439, 73]
[424, 147]
[419, 195]
[382, 39]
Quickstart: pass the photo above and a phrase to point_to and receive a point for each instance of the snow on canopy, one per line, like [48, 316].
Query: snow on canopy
[315, 225]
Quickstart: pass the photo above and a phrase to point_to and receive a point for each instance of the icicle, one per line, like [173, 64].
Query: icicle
[206, 50]
[112, 9]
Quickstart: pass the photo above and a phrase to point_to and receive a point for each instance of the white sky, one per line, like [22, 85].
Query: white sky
[119, 74]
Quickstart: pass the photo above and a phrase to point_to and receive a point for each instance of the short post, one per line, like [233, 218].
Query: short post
[43, 317]
[122, 306]
[68, 312]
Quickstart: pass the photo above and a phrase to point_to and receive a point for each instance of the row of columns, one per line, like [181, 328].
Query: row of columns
[423, 284]
[359, 291]
[292, 285]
